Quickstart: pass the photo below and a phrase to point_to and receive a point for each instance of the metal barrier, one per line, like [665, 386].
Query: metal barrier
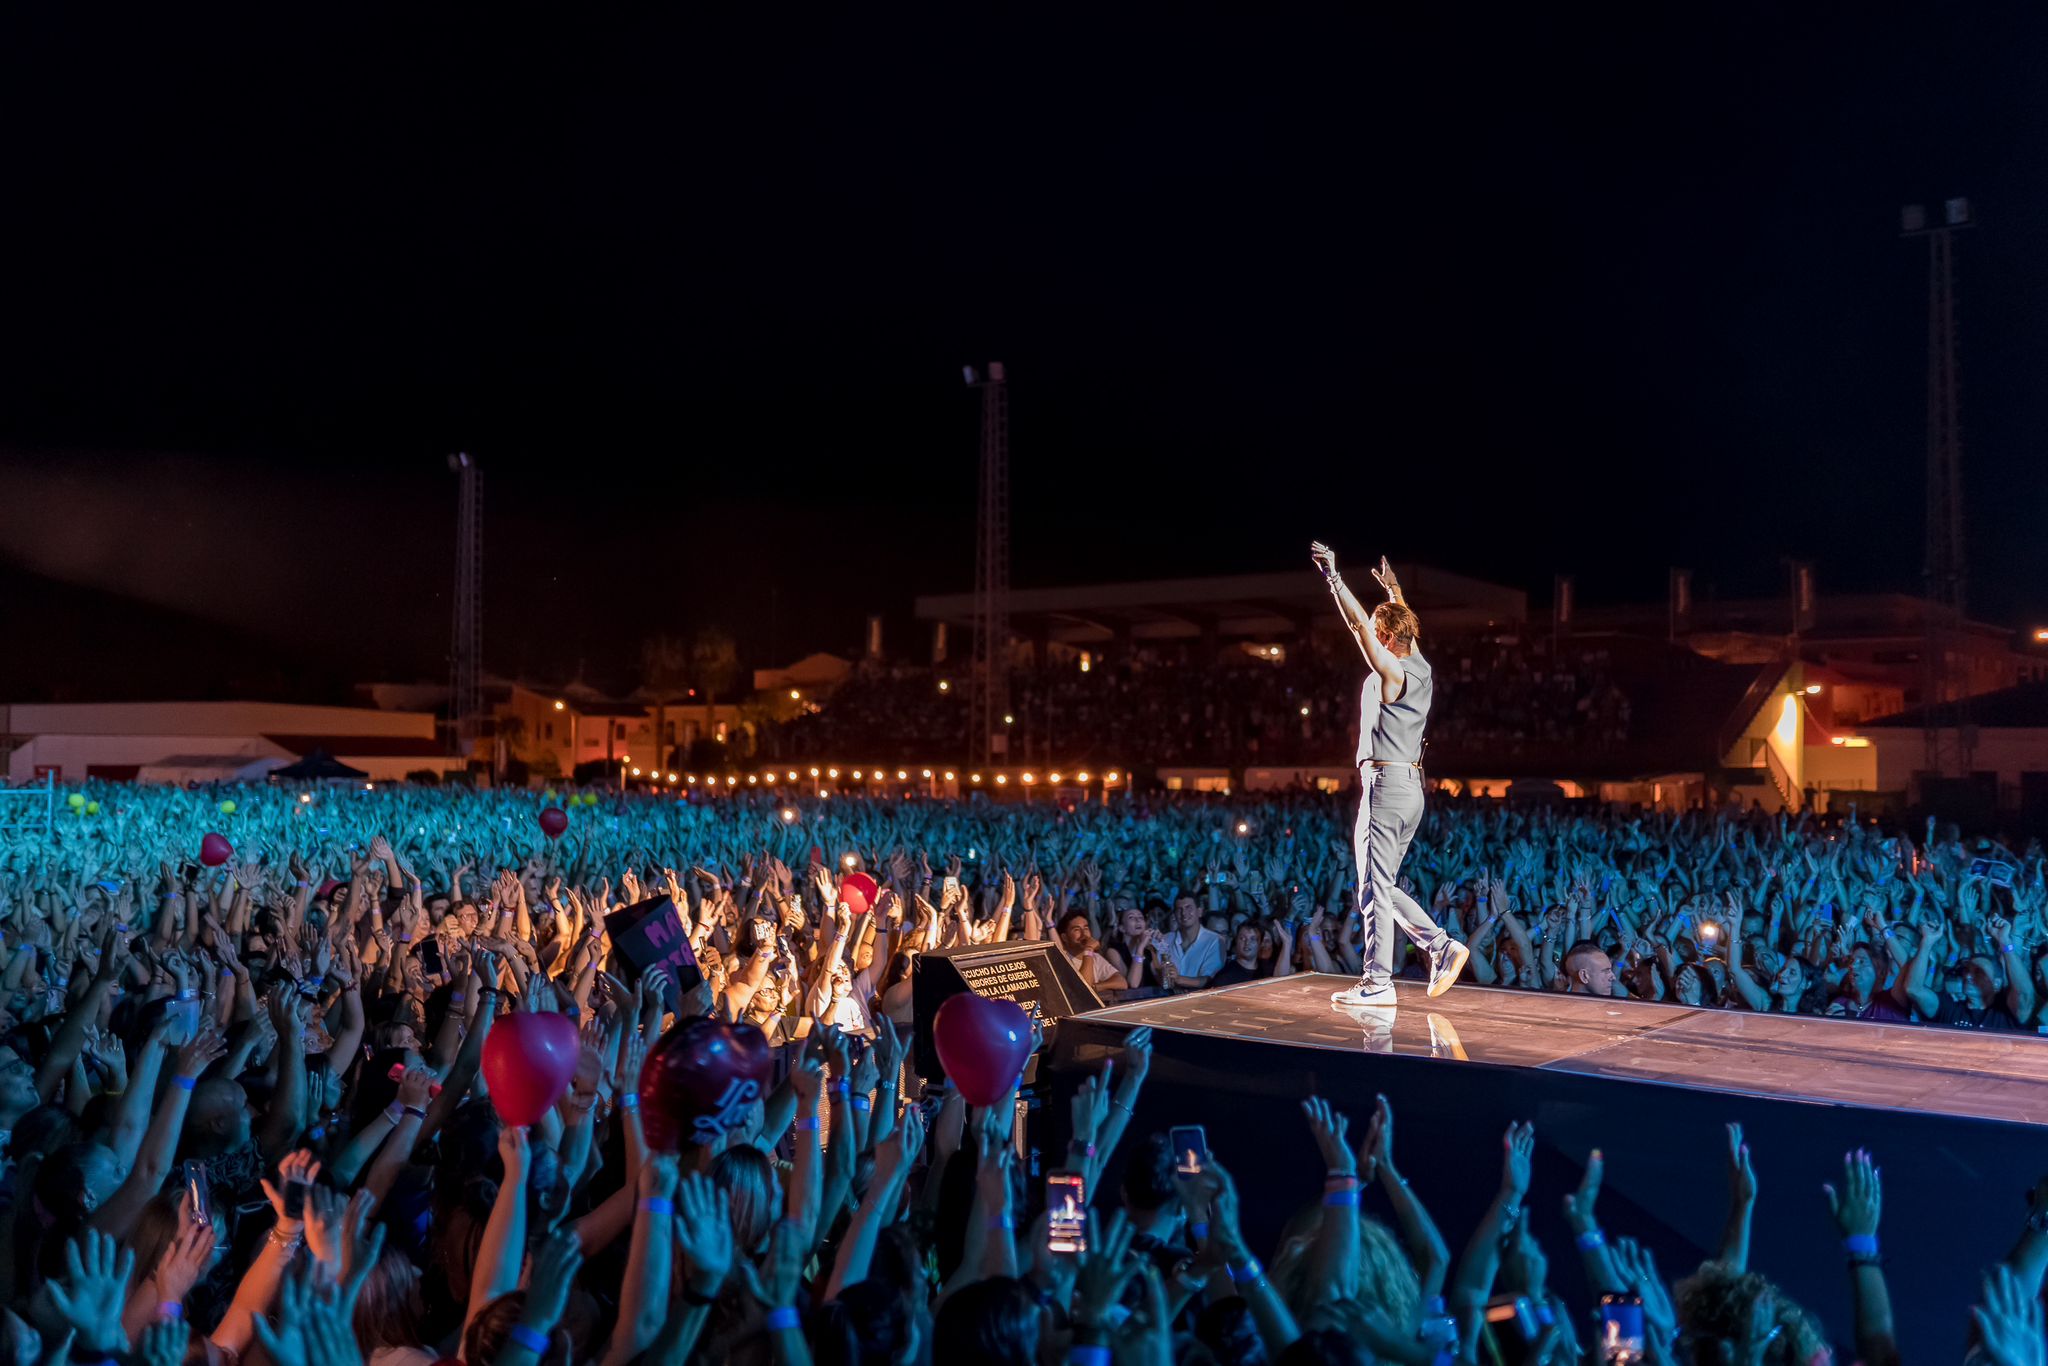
[26, 808]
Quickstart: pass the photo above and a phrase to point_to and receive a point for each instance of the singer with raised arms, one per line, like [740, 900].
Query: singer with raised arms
[1393, 712]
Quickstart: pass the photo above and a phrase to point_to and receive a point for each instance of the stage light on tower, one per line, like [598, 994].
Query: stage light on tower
[560, 705]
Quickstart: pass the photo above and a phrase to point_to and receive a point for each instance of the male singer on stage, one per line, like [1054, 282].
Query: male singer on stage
[1393, 709]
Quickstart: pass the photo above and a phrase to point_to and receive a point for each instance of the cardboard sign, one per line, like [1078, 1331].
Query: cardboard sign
[650, 934]
[1034, 974]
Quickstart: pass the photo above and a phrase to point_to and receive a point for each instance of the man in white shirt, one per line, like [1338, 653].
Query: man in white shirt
[1077, 942]
[1194, 951]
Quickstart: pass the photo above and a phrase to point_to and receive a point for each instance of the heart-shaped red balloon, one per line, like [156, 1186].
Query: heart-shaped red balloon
[858, 891]
[214, 850]
[699, 1080]
[983, 1044]
[528, 1061]
[553, 821]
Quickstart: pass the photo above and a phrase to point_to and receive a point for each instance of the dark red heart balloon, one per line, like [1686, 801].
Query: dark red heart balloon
[553, 821]
[983, 1044]
[858, 891]
[528, 1061]
[214, 850]
[698, 1081]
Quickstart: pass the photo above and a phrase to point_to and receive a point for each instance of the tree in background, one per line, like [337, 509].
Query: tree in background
[665, 669]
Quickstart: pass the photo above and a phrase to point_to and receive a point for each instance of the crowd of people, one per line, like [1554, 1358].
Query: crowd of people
[246, 1112]
[1506, 695]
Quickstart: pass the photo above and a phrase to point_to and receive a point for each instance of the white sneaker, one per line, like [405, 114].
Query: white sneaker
[1445, 965]
[1363, 993]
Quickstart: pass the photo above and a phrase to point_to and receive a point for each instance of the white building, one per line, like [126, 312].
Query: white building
[178, 742]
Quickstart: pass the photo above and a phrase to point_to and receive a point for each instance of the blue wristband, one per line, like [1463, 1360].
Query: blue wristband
[1341, 1198]
[170, 1309]
[1199, 1231]
[861, 1104]
[654, 1204]
[1088, 1354]
[1252, 1271]
[782, 1320]
[807, 1125]
[1860, 1245]
[1592, 1240]
[532, 1339]
[630, 1101]
[184, 1083]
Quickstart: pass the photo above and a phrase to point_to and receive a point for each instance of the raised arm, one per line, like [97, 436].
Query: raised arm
[1856, 1208]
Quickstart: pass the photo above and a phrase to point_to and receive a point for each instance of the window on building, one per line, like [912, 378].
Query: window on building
[622, 730]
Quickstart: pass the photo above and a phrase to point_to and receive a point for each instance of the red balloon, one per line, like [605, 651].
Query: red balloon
[983, 1044]
[553, 821]
[699, 1080]
[528, 1061]
[859, 891]
[214, 850]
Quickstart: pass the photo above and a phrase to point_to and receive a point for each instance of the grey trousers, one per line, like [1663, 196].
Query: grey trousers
[1389, 814]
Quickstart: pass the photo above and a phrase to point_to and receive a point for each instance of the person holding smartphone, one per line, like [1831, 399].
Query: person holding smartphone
[1394, 711]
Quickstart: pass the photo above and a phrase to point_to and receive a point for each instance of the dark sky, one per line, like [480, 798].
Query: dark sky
[1510, 293]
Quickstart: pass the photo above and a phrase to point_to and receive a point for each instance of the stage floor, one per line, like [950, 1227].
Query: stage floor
[1927, 1070]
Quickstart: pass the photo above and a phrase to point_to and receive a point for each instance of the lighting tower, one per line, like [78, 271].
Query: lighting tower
[465, 656]
[991, 687]
[1945, 706]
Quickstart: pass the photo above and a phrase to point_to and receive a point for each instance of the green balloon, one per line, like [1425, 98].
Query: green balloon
[92, 808]
[77, 799]
[227, 808]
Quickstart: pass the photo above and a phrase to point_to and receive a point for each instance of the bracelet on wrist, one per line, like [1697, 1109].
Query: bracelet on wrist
[1337, 1199]
[1592, 1240]
[781, 1319]
[170, 1309]
[1860, 1245]
[630, 1101]
[1246, 1274]
[807, 1125]
[656, 1204]
[532, 1339]
[861, 1105]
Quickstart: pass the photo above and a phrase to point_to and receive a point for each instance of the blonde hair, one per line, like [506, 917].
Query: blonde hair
[1399, 621]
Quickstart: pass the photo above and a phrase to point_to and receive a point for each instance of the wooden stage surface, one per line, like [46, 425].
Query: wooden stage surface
[1928, 1070]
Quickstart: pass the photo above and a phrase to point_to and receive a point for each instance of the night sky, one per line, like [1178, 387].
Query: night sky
[1509, 293]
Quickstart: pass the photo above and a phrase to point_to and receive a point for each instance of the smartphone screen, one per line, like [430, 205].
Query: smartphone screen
[1190, 1149]
[295, 1199]
[1066, 1205]
[1621, 1330]
[1508, 1331]
[198, 1195]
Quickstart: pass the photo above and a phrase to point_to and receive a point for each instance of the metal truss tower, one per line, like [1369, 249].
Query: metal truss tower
[465, 655]
[988, 733]
[1946, 732]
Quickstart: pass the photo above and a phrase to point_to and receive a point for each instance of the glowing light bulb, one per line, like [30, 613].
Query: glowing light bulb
[788, 815]
[561, 706]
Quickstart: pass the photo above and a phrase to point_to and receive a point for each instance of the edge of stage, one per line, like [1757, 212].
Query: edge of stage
[1951, 1113]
